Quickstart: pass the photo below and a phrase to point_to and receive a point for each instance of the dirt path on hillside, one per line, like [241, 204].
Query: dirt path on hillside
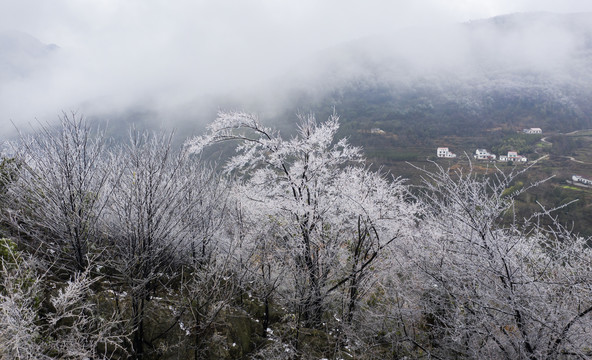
[576, 160]
[566, 157]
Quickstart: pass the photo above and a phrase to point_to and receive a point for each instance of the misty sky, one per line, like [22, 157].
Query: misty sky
[119, 53]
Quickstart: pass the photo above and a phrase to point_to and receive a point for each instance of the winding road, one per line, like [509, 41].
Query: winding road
[567, 157]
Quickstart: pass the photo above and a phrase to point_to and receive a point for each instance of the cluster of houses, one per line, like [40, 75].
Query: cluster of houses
[482, 154]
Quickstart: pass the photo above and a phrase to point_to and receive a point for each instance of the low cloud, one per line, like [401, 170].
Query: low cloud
[117, 55]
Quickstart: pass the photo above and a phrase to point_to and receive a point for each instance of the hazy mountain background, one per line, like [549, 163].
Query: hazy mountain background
[525, 69]
[530, 69]
[510, 71]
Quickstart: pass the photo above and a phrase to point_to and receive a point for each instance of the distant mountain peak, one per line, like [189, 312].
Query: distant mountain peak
[21, 54]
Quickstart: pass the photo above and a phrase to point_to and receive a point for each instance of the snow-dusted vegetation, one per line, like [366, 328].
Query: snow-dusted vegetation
[296, 249]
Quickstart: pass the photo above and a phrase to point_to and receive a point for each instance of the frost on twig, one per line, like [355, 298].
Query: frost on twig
[71, 328]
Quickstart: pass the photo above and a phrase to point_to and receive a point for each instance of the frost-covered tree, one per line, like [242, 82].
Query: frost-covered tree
[326, 218]
[56, 199]
[157, 221]
[490, 285]
[210, 276]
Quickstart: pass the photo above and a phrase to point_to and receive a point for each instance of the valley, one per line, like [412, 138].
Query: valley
[547, 160]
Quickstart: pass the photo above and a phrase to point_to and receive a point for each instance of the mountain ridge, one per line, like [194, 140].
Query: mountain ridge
[488, 70]
[21, 54]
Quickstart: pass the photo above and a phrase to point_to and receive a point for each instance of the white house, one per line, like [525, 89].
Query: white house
[482, 154]
[533, 131]
[513, 156]
[443, 152]
[583, 180]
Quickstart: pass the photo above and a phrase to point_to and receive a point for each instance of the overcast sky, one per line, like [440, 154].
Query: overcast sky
[120, 52]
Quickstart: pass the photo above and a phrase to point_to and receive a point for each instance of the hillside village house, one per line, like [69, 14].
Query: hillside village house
[533, 131]
[482, 154]
[582, 180]
[443, 152]
[513, 156]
